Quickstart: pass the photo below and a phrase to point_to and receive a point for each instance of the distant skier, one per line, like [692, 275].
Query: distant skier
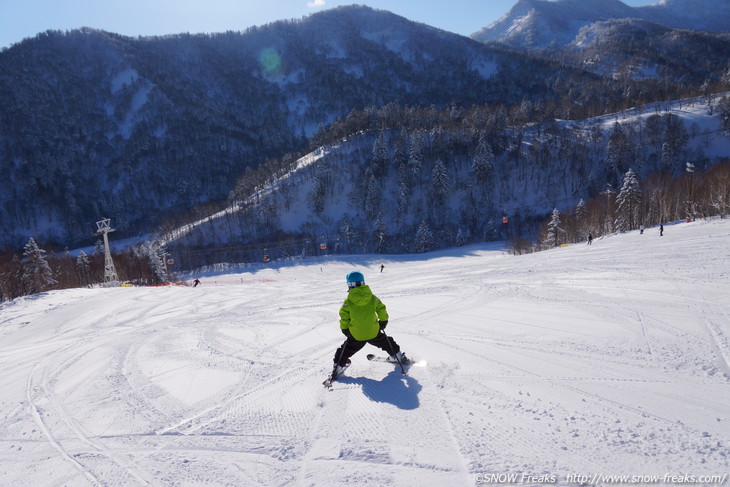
[590, 239]
[661, 230]
[363, 318]
[382, 266]
[196, 282]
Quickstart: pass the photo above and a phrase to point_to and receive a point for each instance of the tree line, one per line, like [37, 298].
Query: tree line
[36, 270]
[659, 199]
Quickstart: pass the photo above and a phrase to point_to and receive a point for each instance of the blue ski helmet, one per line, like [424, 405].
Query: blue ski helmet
[355, 279]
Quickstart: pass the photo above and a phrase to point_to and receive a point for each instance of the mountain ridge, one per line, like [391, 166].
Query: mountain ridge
[537, 24]
[95, 124]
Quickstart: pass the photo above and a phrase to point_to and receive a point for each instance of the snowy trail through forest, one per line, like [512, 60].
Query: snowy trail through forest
[567, 366]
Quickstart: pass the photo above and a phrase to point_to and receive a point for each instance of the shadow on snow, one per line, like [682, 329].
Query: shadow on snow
[395, 388]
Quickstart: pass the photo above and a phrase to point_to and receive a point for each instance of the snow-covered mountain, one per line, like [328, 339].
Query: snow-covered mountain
[536, 24]
[639, 49]
[460, 177]
[151, 131]
[606, 364]
[94, 124]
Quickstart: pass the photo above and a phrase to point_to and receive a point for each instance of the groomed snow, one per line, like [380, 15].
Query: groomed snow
[570, 364]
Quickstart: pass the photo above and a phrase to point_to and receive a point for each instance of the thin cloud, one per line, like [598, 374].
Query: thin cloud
[316, 3]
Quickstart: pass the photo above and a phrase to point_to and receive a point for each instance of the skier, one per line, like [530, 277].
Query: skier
[363, 318]
[590, 239]
[382, 266]
[196, 282]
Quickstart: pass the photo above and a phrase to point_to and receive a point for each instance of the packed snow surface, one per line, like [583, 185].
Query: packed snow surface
[565, 366]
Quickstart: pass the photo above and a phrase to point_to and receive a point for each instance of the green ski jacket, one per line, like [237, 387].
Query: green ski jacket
[361, 312]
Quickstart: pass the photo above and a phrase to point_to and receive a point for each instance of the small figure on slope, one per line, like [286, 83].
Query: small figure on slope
[363, 318]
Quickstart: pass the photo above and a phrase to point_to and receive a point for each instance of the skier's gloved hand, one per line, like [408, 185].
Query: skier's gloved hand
[346, 332]
[383, 324]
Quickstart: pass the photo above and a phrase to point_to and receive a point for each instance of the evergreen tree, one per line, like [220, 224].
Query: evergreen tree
[400, 152]
[675, 143]
[316, 196]
[723, 109]
[372, 198]
[581, 218]
[424, 238]
[380, 155]
[416, 156]
[83, 268]
[552, 239]
[348, 232]
[483, 164]
[37, 274]
[616, 152]
[154, 254]
[404, 198]
[463, 237]
[580, 211]
[439, 183]
[628, 203]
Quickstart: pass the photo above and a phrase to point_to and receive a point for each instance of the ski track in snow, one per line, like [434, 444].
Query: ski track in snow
[606, 359]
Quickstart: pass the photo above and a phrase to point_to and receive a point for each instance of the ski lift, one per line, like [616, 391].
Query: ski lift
[505, 220]
[323, 246]
[170, 261]
[266, 257]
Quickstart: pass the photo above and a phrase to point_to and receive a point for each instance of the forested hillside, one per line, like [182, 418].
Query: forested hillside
[409, 180]
[93, 124]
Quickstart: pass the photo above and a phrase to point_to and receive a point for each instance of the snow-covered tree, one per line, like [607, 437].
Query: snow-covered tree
[83, 268]
[37, 274]
[372, 198]
[552, 239]
[155, 256]
[400, 152]
[439, 183]
[404, 199]
[628, 203]
[581, 219]
[380, 155]
[424, 238]
[316, 195]
[616, 151]
[483, 164]
[723, 111]
[348, 232]
[416, 156]
[463, 237]
[580, 211]
[675, 143]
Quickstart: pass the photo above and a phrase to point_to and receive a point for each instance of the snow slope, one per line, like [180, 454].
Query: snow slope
[570, 364]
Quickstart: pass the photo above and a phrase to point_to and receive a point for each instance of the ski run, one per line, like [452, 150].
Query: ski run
[583, 365]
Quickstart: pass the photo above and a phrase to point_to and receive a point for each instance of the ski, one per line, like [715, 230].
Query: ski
[409, 363]
[333, 377]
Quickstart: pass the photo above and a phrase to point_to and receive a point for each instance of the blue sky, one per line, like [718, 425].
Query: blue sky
[26, 18]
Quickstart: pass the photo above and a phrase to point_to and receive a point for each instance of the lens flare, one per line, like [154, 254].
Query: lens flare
[270, 62]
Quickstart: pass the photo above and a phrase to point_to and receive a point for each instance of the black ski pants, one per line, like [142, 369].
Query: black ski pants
[352, 346]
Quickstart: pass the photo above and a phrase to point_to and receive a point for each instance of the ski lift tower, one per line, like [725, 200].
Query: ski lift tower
[110, 272]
